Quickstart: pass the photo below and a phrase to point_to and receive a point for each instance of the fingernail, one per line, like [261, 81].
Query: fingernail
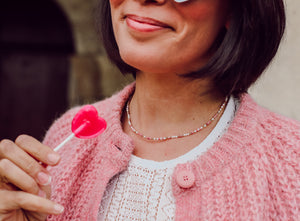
[58, 208]
[42, 193]
[44, 179]
[53, 158]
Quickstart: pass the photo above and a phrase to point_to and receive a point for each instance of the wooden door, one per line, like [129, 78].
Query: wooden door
[35, 45]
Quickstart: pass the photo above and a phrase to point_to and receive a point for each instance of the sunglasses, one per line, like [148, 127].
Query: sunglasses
[180, 1]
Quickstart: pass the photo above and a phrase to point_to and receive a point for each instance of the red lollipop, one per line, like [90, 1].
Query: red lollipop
[86, 124]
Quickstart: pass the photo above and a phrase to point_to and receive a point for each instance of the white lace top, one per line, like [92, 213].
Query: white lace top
[144, 192]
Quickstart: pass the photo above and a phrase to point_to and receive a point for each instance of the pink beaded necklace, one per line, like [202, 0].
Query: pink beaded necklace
[160, 139]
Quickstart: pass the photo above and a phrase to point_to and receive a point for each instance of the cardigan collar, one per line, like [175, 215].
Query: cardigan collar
[229, 146]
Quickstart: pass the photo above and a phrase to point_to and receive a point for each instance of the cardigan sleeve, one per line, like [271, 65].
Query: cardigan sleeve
[283, 169]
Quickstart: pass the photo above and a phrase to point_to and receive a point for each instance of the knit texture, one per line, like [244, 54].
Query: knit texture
[251, 173]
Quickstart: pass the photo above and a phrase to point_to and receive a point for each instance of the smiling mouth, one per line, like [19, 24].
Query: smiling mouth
[145, 24]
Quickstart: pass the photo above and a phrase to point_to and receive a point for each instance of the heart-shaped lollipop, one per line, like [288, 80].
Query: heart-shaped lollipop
[86, 124]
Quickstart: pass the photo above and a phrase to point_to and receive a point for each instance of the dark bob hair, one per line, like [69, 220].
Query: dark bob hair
[242, 53]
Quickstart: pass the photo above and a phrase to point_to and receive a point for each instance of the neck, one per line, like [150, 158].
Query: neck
[171, 104]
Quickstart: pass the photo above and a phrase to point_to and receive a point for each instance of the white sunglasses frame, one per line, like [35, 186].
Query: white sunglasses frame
[180, 1]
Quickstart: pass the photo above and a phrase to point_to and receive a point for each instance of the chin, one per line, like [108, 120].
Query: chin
[143, 63]
[149, 64]
[154, 60]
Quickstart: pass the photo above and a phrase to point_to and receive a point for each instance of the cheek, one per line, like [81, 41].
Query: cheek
[195, 10]
[115, 3]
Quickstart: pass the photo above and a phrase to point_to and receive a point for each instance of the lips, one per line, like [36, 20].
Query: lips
[145, 24]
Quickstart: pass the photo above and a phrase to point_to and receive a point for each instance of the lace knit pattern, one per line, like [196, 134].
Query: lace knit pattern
[140, 200]
[251, 173]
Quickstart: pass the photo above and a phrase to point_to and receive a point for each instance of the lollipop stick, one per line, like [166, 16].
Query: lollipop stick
[64, 142]
[78, 130]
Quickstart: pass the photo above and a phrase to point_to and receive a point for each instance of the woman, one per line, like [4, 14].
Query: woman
[185, 141]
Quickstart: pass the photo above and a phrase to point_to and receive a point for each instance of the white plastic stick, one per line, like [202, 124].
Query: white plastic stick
[64, 142]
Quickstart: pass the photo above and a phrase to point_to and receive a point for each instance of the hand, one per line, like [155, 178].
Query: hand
[24, 181]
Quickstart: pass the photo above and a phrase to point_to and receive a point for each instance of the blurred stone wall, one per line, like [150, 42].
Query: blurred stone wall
[279, 87]
[93, 77]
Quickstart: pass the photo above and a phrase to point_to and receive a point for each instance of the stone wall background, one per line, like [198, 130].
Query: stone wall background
[93, 77]
[279, 88]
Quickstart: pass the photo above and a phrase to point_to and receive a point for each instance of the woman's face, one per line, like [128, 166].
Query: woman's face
[162, 36]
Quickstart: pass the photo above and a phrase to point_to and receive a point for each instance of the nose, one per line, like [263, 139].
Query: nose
[159, 2]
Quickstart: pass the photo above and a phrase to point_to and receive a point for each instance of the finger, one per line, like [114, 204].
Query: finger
[38, 150]
[4, 184]
[10, 151]
[7, 186]
[18, 177]
[45, 192]
[13, 200]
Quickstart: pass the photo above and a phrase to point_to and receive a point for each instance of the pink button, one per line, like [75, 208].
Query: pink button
[185, 178]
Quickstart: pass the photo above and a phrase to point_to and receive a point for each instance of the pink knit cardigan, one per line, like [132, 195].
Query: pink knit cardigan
[251, 173]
